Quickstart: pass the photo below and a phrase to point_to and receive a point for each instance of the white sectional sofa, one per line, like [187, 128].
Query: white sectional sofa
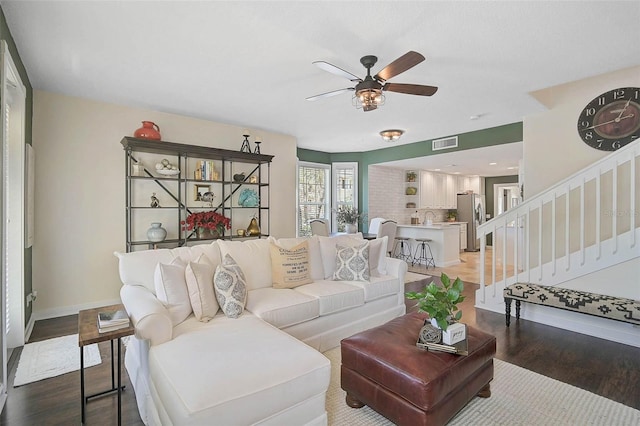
[266, 366]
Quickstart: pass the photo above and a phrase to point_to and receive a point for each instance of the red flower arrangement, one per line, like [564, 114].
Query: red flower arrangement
[206, 220]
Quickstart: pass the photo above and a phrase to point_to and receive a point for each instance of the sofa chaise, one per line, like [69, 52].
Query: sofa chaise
[264, 366]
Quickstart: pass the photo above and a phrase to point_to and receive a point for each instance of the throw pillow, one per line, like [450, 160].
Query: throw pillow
[328, 250]
[377, 255]
[231, 287]
[290, 267]
[352, 263]
[315, 258]
[254, 258]
[171, 289]
[199, 278]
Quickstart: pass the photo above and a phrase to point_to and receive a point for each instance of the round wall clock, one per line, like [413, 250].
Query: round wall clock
[612, 120]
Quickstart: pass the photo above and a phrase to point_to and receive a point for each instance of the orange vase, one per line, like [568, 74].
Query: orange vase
[149, 130]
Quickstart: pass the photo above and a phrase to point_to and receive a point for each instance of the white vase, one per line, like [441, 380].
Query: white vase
[350, 228]
[156, 233]
[454, 333]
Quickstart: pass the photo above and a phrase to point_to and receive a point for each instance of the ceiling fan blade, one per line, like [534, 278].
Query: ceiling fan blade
[332, 93]
[400, 65]
[410, 89]
[336, 70]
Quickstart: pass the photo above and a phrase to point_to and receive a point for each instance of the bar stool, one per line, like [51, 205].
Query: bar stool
[402, 249]
[423, 245]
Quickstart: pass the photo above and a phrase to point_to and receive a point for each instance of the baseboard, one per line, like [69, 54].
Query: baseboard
[603, 328]
[29, 329]
[70, 310]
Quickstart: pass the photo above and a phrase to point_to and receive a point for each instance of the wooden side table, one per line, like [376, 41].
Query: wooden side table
[88, 334]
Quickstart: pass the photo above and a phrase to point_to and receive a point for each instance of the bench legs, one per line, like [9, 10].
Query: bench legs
[507, 310]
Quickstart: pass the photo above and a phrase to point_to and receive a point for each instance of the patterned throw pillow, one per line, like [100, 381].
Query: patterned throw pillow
[231, 287]
[352, 263]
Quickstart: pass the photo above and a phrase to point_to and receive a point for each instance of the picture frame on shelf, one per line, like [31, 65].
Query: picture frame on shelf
[199, 190]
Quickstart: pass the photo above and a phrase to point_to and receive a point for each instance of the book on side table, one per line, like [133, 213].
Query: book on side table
[112, 320]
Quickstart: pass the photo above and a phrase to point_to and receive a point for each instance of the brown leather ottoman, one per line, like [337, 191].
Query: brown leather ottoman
[383, 368]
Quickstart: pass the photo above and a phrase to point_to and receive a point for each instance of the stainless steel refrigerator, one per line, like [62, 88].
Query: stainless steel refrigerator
[471, 210]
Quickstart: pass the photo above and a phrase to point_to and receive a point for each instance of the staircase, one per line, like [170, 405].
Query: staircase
[576, 234]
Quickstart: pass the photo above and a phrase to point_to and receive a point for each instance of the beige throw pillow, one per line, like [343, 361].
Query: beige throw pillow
[290, 267]
[199, 277]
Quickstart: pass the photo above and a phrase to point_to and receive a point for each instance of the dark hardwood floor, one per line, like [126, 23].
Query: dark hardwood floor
[599, 366]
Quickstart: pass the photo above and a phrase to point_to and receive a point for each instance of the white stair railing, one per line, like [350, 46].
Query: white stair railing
[584, 223]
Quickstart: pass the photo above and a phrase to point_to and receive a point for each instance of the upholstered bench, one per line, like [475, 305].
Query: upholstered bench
[383, 368]
[616, 308]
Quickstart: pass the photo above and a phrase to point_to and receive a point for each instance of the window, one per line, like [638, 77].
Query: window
[313, 195]
[345, 187]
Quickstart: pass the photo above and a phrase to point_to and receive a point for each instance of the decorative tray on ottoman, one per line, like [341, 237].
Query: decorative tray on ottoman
[459, 348]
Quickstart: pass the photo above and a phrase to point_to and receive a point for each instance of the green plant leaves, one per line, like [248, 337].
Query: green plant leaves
[440, 302]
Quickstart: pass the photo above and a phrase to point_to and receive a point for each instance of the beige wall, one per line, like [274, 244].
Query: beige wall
[79, 211]
[553, 150]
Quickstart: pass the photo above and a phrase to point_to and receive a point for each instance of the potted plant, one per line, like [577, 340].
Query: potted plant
[349, 216]
[452, 215]
[207, 222]
[411, 176]
[441, 303]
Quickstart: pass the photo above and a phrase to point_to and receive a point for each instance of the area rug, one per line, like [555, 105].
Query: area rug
[53, 357]
[518, 397]
[412, 277]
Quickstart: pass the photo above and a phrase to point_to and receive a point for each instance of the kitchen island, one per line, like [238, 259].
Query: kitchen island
[445, 243]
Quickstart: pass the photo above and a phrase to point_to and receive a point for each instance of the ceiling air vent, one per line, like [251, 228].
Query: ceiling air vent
[445, 143]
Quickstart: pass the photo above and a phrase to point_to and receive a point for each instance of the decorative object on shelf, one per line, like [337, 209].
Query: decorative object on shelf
[137, 169]
[349, 216]
[200, 190]
[253, 228]
[203, 221]
[452, 215]
[253, 179]
[411, 190]
[239, 177]
[156, 233]
[612, 120]
[391, 135]
[411, 205]
[246, 147]
[415, 218]
[208, 197]
[154, 201]
[149, 130]
[441, 303]
[257, 142]
[240, 232]
[411, 176]
[248, 198]
[165, 167]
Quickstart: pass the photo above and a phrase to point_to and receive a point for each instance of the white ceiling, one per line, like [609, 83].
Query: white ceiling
[469, 162]
[250, 63]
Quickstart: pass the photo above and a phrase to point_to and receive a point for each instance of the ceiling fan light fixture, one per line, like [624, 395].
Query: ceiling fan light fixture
[368, 99]
[391, 135]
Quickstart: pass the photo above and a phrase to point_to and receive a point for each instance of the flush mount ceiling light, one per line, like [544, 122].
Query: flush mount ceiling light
[391, 135]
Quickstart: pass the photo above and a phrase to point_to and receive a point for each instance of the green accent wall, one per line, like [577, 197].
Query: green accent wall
[5, 34]
[508, 133]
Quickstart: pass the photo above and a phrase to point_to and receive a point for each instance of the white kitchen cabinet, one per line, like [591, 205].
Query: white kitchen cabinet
[427, 192]
[451, 190]
[463, 236]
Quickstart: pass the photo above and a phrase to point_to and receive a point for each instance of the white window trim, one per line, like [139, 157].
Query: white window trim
[329, 191]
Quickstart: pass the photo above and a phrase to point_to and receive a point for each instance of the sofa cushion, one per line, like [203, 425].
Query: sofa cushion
[233, 371]
[254, 259]
[378, 287]
[282, 307]
[199, 277]
[171, 289]
[377, 255]
[352, 263]
[334, 296]
[290, 267]
[138, 267]
[315, 258]
[328, 250]
[230, 287]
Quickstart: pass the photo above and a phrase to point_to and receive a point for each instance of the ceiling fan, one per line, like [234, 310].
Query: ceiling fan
[368, 92]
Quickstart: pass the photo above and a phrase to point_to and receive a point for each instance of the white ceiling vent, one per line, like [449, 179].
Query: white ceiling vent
[445, 143]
